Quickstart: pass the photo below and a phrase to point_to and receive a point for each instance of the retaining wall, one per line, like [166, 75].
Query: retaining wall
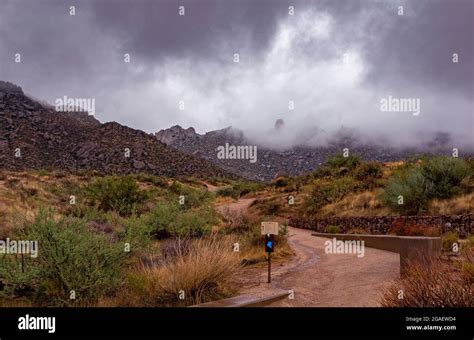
[380, 225]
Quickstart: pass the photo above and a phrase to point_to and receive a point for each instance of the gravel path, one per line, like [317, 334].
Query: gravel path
[324, 280]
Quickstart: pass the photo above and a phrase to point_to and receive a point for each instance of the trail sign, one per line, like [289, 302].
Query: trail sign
[269, 228]
[269, 243]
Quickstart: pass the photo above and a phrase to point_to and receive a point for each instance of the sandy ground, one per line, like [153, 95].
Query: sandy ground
[324, 280]
[236, 207]
[316, 278]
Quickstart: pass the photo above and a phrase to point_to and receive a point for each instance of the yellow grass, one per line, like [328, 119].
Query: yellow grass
[204, 274]
[356, 204]
[455, 206]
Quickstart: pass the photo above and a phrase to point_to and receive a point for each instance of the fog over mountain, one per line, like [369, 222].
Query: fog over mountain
[333, 60]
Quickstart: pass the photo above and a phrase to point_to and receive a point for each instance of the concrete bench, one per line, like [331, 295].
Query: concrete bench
[412, 249]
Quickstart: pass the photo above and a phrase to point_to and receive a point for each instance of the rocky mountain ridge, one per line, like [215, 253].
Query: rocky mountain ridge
[34, 136]
[294, 161]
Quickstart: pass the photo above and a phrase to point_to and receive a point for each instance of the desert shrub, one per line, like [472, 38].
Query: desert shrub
[195, 223]
[323, 171]
[438, 285]
[152, 179]
[246, 187]
[325, 193]
[368, 170]
[193, 198]
[333, 229]
[401, 228]
[339, 161]
[19, 276]
[445, 174]
[136, 233]
[412, 186]
[120, 194]
[449, 239]
[166, 220]
[435, 178]
[240, 188]
[70, 258]
[228, 192]
[161, 218]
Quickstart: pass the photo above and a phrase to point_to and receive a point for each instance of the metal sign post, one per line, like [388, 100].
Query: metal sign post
[269, 267]
[269, 243]
[269, 229]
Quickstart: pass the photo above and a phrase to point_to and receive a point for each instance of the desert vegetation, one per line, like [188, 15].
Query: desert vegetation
[350, 186]
[448, 282]
[129, 240]
[146, 240]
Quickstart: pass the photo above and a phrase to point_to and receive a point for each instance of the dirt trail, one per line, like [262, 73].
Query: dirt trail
[235, 207]
[320, 279]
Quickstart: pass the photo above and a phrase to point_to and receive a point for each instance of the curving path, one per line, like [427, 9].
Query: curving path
[320, 279]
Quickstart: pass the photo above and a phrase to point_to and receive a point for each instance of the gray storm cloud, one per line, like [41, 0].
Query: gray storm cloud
[334, 60]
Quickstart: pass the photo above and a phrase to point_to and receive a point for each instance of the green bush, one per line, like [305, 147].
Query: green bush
[436, 178]
[193, 198]
[166, 220]
[152, 179]
[120, 194]
[324, 171]
[240, 188]
[414, 189]
[368, 170]
[136, 233]
[228, 192]
[329, 192]
[70, 258]
[161, 218]
[446, 175]
[339, 161]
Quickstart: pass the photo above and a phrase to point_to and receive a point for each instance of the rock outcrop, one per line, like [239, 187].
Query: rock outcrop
[273, 163]
[34, 136]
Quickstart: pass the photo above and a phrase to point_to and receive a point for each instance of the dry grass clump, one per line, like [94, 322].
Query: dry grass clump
[201, 270]
[443, 284]
[356, 204]
[459, 205]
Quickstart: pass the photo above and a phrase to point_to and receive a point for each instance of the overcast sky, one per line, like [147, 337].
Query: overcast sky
[334, 59]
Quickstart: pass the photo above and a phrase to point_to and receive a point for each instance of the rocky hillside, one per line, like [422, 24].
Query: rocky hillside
[34, 136]
[295, 161]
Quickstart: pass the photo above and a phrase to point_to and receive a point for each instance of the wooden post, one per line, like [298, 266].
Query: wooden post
[269, 267]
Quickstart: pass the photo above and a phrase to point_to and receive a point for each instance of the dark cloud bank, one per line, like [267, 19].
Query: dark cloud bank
[335, 60]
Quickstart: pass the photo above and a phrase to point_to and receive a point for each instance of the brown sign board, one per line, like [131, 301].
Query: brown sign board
[269, 228]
